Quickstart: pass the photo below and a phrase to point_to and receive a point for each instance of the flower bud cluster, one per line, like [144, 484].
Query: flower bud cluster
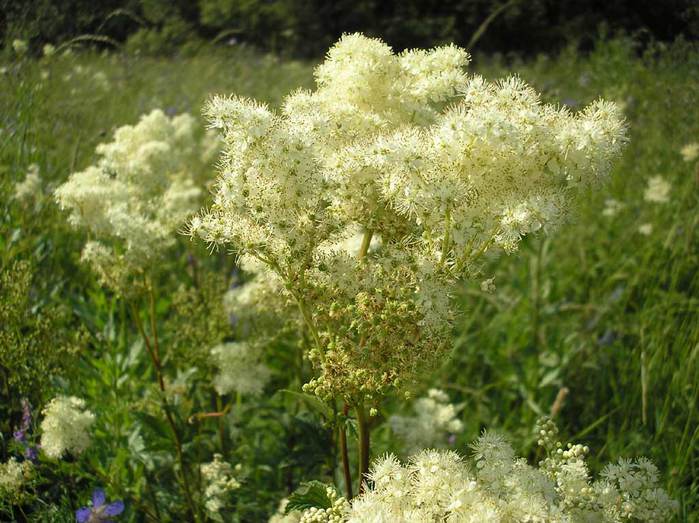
[334, 514]
[219, 479]
[434, 420]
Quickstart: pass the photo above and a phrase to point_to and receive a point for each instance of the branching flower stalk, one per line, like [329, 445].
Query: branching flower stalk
[369, 199]
[153, 349]
[131, 202]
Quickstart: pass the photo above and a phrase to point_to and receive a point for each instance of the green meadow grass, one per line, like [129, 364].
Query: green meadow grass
[595, 307]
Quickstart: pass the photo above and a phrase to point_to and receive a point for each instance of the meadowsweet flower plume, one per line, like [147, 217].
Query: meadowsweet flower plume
[425, 169]
[65, 427]
[220, 481]
[434, 420]
[13, 476]
[240, 368]
[496, 486]
[657, 190]
[30, 188]
[135, 198]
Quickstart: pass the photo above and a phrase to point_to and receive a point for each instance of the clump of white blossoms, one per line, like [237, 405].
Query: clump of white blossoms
[612, 207]
[20, 47]
[423, 168]
[13, 476]
[240, 368]
[135, 198]
[220, 481]
[66, 426]
[30, 188]
[434, 420]
[690, 152]
[646, 229]
[658, 190]
[499, 487]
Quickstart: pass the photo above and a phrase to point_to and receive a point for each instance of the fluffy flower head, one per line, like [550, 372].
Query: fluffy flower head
[136, 196]
[65, 427]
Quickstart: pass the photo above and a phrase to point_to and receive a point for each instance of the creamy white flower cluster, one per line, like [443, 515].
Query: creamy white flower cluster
[65, 427]
[657, 190]
[133, 200]
[690, 152]
[377, 150]
[240, 368]
[259, 306]
[439, 485]
[13, 476]
[30, 188]
[220, 481]
[434, 420]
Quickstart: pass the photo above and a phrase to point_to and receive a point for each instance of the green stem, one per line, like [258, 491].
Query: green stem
[446, 242]
[221, 426]
[364, 443]
[366, 242]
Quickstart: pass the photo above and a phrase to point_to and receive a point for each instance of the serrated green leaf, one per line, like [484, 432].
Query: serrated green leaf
[312, 494]
[312, 402]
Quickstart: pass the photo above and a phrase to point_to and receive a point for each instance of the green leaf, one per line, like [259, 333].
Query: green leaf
[312, 494]
[312, 402]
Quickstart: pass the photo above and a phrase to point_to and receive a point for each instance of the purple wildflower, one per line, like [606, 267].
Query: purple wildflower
[100, 511]
[21, 433]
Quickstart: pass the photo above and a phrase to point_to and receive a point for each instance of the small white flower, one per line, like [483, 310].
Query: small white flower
[30, 188]
[434, 420]
[690, 152]
[646, 229]
[20, 46]
[612, 207]
[240, 368]
[658, 190]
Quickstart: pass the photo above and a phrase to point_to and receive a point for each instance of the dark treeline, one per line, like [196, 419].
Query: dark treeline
[305, 28]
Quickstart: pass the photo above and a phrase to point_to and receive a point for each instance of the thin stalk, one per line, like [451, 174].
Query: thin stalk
[446, 243]
[154, 353]
[308, 320]
[345, 455]
[221, 426]
[364, 445]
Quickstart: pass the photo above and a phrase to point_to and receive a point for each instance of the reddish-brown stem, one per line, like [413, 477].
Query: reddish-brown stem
[344, 454]
[153, 352]
[364, 442]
